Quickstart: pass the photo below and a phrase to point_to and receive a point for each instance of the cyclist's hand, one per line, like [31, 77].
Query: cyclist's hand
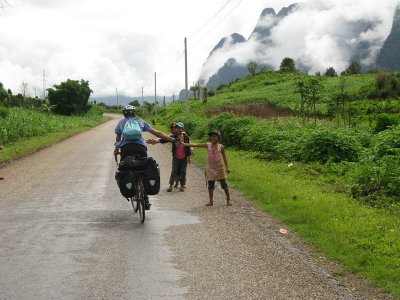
[116, 151]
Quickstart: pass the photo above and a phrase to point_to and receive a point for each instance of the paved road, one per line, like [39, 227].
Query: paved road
[67, 233]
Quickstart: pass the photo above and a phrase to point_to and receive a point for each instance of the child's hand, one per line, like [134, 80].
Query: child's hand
[152, 141]
[228, 170]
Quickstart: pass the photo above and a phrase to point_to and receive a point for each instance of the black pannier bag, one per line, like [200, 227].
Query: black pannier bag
[133, 163]
[125, 181]
[152, 177]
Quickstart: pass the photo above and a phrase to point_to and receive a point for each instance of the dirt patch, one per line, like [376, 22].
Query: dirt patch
[259, 110]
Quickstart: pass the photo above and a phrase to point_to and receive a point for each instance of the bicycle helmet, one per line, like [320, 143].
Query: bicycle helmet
[129, 111]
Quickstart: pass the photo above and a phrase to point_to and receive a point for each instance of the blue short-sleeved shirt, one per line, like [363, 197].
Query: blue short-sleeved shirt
[143, 125]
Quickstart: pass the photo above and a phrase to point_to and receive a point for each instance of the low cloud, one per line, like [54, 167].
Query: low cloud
[319, 34]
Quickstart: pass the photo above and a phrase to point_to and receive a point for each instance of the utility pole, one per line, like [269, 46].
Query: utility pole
[143, 102]
[186, 80]
[116, 91]
[155, 91]
[44, 84]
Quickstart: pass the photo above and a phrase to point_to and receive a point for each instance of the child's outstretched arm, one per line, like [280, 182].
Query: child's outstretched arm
[225, 159]
[202, 145]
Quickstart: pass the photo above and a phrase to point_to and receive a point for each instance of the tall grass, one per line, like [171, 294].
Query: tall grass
[18, 123]
[36, 130]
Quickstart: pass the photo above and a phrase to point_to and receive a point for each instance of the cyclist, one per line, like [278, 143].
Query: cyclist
[138, 146]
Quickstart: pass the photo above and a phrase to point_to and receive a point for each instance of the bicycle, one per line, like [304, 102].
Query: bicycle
[138, 198]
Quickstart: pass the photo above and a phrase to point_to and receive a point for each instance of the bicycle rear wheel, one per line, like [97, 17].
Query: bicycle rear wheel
[140, 201]
[135, 205]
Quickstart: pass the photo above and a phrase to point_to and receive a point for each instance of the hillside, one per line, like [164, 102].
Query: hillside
[279, 90]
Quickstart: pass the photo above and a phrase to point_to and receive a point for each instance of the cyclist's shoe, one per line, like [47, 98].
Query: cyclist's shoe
[147, 203]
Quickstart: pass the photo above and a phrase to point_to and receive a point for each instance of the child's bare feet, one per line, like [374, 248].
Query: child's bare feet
[209, 204]
[228, 203]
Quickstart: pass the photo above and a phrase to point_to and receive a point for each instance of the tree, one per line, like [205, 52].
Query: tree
[252, 67]
[4, 96]
[330, 72]
[70, 97]
[302, 88]
[205, 94]
[310, 90]
[195, 89]
[287, 65]
[352, 69]
[135, 103]
[315, 87]
[47, 107]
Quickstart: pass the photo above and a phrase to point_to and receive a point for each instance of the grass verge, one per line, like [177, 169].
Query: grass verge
[26, 146]
[364, 240]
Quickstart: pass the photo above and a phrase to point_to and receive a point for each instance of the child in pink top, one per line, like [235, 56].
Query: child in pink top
[215, 167]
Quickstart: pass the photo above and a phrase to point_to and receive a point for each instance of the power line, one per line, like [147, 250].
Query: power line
[204, 35]
[209, 21]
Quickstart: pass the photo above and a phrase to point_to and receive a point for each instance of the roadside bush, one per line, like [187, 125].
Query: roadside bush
[384, 121]
[195, 126]
[325, 145]
[95, 110]
[3, 112]
[387, 142]
[233, 129]
[377, 183]
[279, 144]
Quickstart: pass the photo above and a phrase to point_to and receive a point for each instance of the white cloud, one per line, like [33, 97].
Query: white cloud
[321, 34]
[121, 43]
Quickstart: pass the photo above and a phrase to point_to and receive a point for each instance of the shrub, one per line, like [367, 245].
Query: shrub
[387, 142]
[378, 182]
[324, 145]
[384, 121]
[233, 129]
[3, 112]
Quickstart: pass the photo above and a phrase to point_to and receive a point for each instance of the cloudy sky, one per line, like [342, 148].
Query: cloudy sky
[121, 44]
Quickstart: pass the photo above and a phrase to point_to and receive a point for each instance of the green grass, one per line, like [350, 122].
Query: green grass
[36, 130]
[365, 240]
